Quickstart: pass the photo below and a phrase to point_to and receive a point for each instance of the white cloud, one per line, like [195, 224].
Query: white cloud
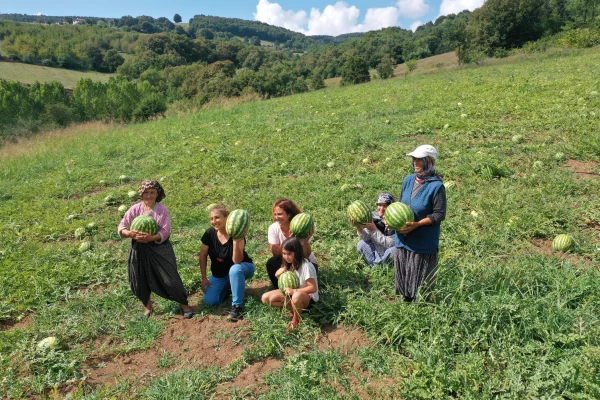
[412, 8]
[456, 6]
[415, 25]
[274, 14]
[334, 20]
[377, 18]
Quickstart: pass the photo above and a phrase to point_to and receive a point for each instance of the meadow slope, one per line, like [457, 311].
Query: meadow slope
[509, 317]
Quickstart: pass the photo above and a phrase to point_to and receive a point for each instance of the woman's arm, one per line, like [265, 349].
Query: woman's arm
[311, 287]
[203, 260]
[275, 249]
[306, 247]
[238, 250]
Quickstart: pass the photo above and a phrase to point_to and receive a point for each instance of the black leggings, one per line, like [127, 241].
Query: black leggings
[273, 264]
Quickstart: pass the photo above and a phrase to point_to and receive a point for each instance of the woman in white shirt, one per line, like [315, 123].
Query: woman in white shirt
[283, 211]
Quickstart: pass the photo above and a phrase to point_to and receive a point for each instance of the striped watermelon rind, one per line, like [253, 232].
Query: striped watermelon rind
[359, 212]
[238, 223]
[144, 223]
[563, 243]
[301, 225]
[288, 280]
[398, 214]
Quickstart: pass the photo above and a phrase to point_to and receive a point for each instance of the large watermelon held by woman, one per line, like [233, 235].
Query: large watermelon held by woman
[397, 215]
[288, 280]
[301, 225]
[144, 223]
[359, 212]
[238, 223]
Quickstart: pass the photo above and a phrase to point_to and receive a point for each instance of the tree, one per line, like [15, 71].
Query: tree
[354, 71]
[386, 67]
[177, 18]
[508, 23]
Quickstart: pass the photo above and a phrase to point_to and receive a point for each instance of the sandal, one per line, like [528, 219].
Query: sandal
[147, 316]
[188, 314]
[293, 325]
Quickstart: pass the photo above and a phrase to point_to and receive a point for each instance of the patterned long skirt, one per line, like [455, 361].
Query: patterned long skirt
[414, 270]
[153, 268]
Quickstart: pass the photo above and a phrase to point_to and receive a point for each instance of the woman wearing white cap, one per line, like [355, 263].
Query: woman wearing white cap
[416, 246]
[377, 239]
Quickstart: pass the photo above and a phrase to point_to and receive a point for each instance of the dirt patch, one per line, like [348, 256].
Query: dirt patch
[544, 247]
[257, 288]
[583, 170]
[250, 379]
[193, 343]
[12, 324]
[346, 339]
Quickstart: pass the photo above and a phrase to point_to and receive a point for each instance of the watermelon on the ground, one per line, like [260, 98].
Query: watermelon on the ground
[47, 343]
[398, 214]
[359, 212]
[85, 246]
[563, 243]
[238, 223]
[122, 209]
[133, 195]
[288, 280]
[80, 232]
[301, 225]
[144, 223]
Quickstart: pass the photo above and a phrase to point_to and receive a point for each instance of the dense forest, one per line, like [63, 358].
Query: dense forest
[159, 62]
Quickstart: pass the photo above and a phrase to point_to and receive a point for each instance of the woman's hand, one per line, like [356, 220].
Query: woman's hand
[142, 237]
[369, 226]
[290, 292]
[409, 227]
[205, 283]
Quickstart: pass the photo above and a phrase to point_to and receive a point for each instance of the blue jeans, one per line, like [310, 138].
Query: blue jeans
[371, 256]
[238, 273]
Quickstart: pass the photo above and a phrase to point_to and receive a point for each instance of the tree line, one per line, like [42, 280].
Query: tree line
[27, 109]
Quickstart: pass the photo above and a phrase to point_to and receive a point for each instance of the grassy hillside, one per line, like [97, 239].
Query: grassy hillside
[509, 318]
[27, 73]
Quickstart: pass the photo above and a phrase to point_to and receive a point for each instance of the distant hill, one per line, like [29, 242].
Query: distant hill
[326, 39]
[203, 25]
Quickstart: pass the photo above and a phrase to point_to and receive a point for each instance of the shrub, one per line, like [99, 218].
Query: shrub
[47, 62]
[149, 106]
[58, 114]
[411, 65]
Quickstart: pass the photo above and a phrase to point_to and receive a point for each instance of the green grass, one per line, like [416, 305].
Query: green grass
[27, 73]
[506, 320]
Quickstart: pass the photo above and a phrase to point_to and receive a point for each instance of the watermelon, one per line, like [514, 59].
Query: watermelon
[47, 343]
[79, 233]
[449, 184]
[122, 209]
[238, 223]
[109, 200]
[301, 225]
[359, 212]
[85, 246]
[288, 280]
[133, 195]
[398, 214]
[211, 206]
[144, 223]
[563, 243]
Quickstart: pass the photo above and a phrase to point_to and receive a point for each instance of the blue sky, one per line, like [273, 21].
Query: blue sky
[319, 17]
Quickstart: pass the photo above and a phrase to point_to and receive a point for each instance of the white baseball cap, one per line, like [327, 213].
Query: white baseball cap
[423, 151]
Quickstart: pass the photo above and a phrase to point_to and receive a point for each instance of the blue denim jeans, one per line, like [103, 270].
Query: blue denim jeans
[238, 273]
[371, 256]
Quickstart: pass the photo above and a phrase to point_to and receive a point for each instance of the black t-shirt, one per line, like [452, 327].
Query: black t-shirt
[221, 255]
[378, 221]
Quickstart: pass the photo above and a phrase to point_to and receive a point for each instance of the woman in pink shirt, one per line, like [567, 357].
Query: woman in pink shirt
[152, 263]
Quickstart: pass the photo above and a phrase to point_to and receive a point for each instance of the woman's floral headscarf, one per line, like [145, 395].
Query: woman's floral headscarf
[152, 184]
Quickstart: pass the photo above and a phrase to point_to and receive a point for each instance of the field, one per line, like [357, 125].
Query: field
[27, 73]
[509, 318]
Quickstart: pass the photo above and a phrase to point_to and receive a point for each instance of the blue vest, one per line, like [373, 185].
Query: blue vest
[424, 239]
